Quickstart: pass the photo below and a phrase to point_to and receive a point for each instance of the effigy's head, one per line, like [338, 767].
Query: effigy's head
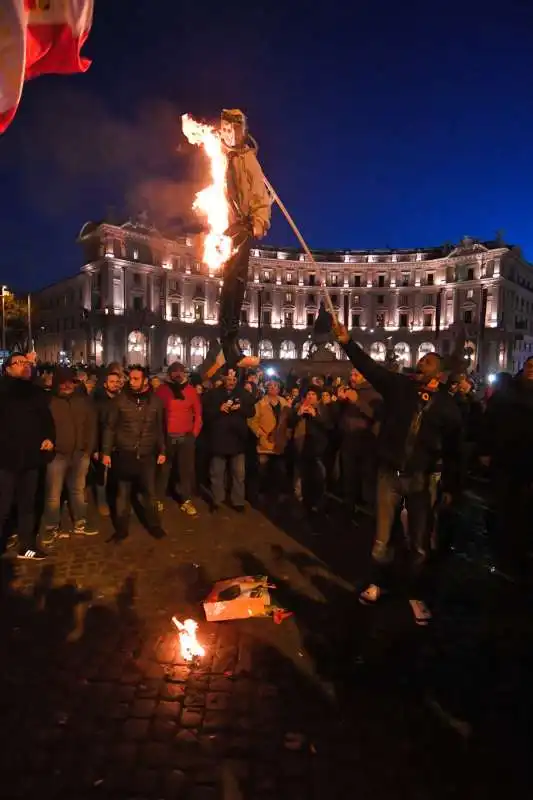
[233, 127]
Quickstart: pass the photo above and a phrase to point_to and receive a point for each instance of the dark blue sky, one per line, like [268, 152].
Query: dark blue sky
[390, 125]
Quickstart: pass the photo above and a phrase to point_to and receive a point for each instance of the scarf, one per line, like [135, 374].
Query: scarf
[177, 389]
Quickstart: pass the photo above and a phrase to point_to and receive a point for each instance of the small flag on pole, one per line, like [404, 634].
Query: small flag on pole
[39, 37]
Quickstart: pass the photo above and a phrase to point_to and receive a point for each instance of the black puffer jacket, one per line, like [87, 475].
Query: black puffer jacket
[102, 404]
[228, 433]
[135, 424]
[25, 422]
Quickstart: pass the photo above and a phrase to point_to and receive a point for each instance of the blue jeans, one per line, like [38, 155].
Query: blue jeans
[72, 471]
[219, 465]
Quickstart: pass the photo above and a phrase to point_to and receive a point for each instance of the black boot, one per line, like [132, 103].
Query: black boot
[232, 351]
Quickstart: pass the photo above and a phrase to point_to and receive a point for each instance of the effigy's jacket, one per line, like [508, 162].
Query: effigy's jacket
[247, 194]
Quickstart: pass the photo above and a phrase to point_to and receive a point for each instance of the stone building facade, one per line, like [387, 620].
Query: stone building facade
[143, 298]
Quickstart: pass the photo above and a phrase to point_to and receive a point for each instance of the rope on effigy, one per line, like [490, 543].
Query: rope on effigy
[324, 288]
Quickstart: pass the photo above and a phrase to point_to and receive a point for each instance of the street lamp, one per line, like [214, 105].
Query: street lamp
[5, 292]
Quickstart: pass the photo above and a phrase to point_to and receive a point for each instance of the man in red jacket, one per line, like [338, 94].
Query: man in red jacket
[183, 416]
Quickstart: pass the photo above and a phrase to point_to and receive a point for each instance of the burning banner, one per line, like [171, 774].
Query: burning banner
[237, 207]
[39, 37]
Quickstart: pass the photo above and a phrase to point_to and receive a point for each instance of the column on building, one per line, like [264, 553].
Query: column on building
[299, 307]
[277, 306]
[107, 285]
[418, 301]
[456, 305]
[211, 295]
[392, 308]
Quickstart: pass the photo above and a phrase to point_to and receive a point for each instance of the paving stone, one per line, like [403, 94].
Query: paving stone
[217, 701]
[125, 694]
[124, 753]
[173, 691]
[149, 688]
[145, 782]
[119, 711]
[155, 754]
[191, 718]
[216, 720]
[177, 674]
[174, 785]
[135, 729]
[187, 738]
[225, 659]
[167, 650]
[130, 676]
[194, 699]
[221, 683]
[143, 708]
[168, 708]
[203, 793]
[163, 728]
[198, 681]
[152, 670]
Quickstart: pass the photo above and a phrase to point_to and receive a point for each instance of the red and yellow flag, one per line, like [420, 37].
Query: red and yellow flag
[39, 37]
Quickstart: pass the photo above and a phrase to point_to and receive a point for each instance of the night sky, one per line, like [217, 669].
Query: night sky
[390, 125]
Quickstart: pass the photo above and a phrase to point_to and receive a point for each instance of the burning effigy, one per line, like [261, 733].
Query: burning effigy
[236, 206]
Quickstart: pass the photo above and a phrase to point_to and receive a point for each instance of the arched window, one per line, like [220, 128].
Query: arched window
[470, 353]
[175, 349]
[287, 350]
[425, 349]
[402, 351]
[306, 349]
[198, 350]
[334, 347]
[245, 346]
[137, 348]
[265, 349]
[378, 351]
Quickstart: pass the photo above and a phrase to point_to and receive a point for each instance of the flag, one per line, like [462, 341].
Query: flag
[39, 37]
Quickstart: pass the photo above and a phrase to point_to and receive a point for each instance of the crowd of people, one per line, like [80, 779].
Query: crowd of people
[393, 446]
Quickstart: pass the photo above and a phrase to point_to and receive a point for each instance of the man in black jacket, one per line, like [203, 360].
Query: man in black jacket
[103, 397]
[420, 430]
[134, 437]
[357, 415]
[226, 411]
[75, 424]
[27, 435]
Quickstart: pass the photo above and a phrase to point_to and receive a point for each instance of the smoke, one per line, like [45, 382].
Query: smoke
[77, 152]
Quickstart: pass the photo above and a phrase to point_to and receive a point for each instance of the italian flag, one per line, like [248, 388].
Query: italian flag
[39, 37]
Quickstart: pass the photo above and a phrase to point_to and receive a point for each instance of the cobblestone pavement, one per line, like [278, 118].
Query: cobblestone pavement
[337, 701]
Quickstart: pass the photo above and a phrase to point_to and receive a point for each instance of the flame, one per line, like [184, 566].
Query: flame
[189, 644]
[212, 201]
